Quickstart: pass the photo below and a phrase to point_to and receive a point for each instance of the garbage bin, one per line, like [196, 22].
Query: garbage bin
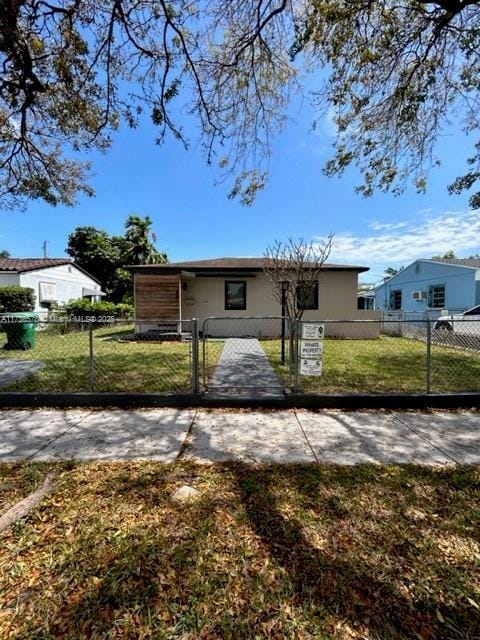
[21, 330]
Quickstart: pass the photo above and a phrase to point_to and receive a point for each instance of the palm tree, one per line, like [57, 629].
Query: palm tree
[140, 247]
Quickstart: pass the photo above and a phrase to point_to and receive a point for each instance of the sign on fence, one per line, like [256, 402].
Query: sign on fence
[311, 349]
[310, 367]
[313, 331]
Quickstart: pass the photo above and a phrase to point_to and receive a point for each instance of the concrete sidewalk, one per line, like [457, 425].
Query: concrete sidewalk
[252, 436]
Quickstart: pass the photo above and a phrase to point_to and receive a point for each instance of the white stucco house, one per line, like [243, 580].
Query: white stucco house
[54, 281]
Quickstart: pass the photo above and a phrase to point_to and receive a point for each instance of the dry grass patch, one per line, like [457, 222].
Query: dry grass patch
[301, 551]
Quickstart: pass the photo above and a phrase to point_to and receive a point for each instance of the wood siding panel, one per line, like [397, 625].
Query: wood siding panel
[157, 297]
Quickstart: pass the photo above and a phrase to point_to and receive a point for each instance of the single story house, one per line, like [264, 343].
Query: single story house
[429, 286]
[53, 280]
[238, 287]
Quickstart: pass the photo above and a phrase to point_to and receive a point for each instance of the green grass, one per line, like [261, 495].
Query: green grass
[300, 552]
[119, 366]
[387, 364]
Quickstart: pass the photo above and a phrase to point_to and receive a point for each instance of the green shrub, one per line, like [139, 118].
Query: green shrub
[14, 298]
[124, 310]
[82, 308]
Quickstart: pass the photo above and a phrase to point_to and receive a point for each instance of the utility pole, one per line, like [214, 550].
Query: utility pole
[44, 247]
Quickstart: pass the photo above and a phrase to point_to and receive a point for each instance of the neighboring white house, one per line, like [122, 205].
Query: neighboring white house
[54, 281]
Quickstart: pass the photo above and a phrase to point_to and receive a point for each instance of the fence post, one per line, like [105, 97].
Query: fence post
[91, 361]
[296, 360]
[429, 355]
[195, 357]
[204, 353]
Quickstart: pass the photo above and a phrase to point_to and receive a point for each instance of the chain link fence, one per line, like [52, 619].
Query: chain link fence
[69, 356]
[257, 354]
[406, 356]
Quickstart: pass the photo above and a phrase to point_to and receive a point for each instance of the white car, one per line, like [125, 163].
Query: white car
[467, 322]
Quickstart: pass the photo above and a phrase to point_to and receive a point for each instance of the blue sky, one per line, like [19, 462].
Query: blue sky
[194, 219]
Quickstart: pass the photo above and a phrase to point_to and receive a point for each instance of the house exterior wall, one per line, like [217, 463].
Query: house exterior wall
[337, 297]
[69, 282]
[461, 290]
[9, 279]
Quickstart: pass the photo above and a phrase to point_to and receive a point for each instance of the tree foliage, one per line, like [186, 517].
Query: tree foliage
[73, 70]
[395, 73]
[399, 71]
[138, 247]
[105, 257]
[448, 255]
[389, 272]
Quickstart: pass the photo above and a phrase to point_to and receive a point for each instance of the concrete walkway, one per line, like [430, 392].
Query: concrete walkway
[14, 370]
[251, 436]
[243, 368]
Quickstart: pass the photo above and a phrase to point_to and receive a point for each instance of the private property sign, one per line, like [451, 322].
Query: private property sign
[311, 349]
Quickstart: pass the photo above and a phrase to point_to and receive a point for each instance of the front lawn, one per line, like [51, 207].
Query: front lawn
[119, 366]
[385, 365]
[300, 552]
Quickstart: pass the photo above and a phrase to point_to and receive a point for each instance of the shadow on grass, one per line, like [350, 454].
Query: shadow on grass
[336, 577]
[297, 551]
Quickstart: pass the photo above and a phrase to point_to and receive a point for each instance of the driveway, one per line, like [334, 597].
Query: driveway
[207, 436]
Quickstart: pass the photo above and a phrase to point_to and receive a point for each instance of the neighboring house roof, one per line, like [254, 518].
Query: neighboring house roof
[460, 262]
[19, 265]
[233, 264]
[23, 265]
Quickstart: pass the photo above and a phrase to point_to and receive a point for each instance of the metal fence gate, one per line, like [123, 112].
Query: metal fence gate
[246, 354]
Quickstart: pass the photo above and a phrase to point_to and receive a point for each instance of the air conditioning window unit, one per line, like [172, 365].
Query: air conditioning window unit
[419, 295]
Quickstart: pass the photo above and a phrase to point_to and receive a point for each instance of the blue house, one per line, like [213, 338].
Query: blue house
[428, 286]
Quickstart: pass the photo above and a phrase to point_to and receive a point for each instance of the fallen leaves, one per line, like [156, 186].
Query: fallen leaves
[267, 551]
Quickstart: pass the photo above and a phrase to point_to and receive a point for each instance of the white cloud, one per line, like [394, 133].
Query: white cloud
[387, 226]
[405, 241]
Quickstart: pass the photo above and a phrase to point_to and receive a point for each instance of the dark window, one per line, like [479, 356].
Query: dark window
[307, 296]
[436, 296]
[235, 295]
[396, 299]
[472, 312]
[365, 303]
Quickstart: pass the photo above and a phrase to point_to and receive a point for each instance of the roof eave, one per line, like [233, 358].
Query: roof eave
[165, 268]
